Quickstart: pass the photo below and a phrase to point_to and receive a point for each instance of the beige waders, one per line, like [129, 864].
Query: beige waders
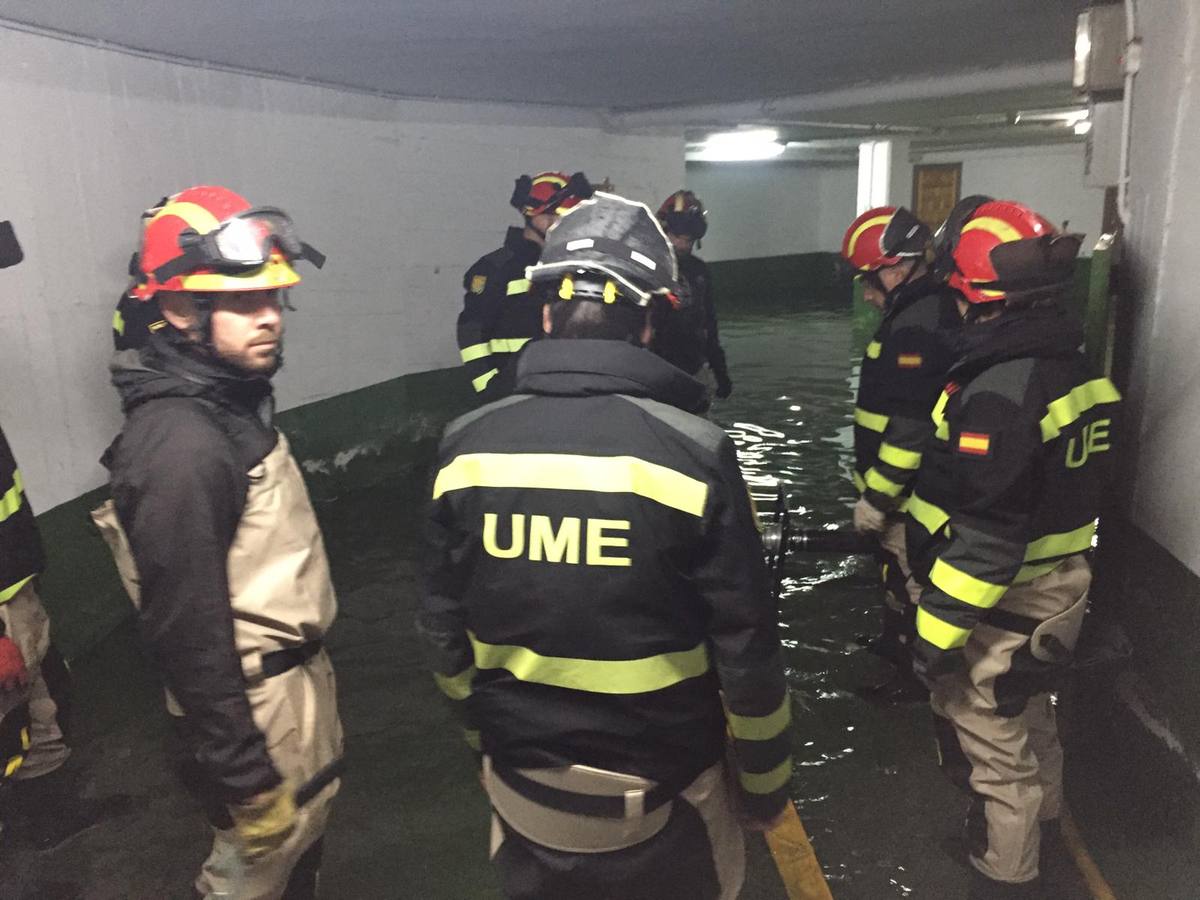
[997, 734]
[28, 626]
[603, 845]
[283, 602]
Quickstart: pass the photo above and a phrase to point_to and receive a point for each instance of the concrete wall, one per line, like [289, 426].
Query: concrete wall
[1163, 395]
[773, 209]
[401, 195]
[1048, 178]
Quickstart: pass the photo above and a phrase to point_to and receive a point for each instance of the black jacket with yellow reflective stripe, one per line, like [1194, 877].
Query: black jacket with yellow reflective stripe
[21, 554]
[1014, 479]
[688, 337]
[499, 314]
[902, 374]
[597, 581]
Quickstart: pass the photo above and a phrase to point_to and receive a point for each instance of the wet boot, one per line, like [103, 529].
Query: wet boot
[44, 812]
[983, 888]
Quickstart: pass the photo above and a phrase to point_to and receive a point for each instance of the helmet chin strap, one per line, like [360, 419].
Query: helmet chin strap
[905, 280]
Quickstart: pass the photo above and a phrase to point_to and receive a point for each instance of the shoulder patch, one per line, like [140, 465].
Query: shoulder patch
[478, 283]
[975, 443]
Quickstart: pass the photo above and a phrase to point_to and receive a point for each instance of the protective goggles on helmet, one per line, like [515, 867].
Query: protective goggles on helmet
[242, 242]
[522, 198]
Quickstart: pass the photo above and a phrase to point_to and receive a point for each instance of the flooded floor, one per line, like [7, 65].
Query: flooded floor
[411, 821]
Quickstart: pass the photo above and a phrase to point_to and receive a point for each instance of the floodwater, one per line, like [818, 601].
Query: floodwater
[411, 821]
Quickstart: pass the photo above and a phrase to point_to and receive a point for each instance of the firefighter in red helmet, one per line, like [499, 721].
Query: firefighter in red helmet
[216, 541]
[499, 315]
[686, 332]
[999, 525]
[900, 378]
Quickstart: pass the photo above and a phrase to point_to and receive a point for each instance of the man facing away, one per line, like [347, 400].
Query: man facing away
[597, 589]
[217, 542]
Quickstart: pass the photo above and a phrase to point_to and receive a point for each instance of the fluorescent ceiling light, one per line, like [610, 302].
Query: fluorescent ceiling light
[739, 146]
[1068, 117]
[1083, 127]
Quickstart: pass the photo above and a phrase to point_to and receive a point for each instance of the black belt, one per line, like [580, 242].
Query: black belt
[1011, 621]
[279, 661]
[606, 807]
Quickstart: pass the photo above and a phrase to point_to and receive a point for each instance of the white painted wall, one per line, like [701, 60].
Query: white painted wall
[772, 209]
[401, 195]
[1163, 398]
[1048, 178]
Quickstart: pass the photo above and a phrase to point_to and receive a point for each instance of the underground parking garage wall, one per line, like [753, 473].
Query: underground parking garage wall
[401, 195]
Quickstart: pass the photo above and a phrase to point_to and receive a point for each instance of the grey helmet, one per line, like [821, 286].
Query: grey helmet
[615, 238]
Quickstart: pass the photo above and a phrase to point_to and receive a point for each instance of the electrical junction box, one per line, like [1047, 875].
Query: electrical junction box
[1103, 162]
[1100, 50]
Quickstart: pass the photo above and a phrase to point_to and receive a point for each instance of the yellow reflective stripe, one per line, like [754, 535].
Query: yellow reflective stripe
[9, 592]
[471, 736]
[767, 782]
[1029, 573]
[877, 482]
[10, 500]
[899, 457]
[481, 382]
[859, 484]
[475, 351]
[869, 420]
[456, 687]
[194, 214]
[996, 227]
[518, 286]
[932, 517]
[967, 588]
[13, 764]
[942, 431]
[571, 472]
[118, 322]
[874, 349]
[1062, 412]
[597, 676]
[762, 728]
[507, 345]
[940, 634]
[1063, 544]
[276, 273]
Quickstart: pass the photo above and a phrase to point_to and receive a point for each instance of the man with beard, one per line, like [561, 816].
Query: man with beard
[217, 542]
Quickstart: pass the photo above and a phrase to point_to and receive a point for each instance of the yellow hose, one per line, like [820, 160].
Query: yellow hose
[795, 859]
[1087, 867]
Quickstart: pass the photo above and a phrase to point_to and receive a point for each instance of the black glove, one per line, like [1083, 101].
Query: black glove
[724, 385]
[929, 663]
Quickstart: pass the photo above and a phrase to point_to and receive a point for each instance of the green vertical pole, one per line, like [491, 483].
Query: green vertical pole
[1097, 307]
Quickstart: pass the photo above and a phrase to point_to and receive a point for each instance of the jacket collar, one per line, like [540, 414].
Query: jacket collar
[584, 368]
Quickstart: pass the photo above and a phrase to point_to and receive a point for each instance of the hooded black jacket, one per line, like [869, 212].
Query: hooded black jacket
[596, 577]
[902, 374]
[193, 430]
[21, 555]
[500, 314]
[1015, 477]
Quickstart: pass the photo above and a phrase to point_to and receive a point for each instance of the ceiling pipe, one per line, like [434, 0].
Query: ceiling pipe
[981, 81]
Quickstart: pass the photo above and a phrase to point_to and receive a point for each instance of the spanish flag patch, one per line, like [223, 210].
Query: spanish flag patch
[975, 444]
[909, 360]
[478, 283]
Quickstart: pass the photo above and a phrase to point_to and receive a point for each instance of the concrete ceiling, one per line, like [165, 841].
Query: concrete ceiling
[619, 55]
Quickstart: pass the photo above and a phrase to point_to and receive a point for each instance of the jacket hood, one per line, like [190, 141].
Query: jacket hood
[582, 368]
[168, 366]
[1042, 332]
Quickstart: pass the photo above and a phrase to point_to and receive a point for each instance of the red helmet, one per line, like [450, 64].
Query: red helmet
[209, 239]
[683, 213]
[554, 192]
[1029, 259]
[884, 236]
